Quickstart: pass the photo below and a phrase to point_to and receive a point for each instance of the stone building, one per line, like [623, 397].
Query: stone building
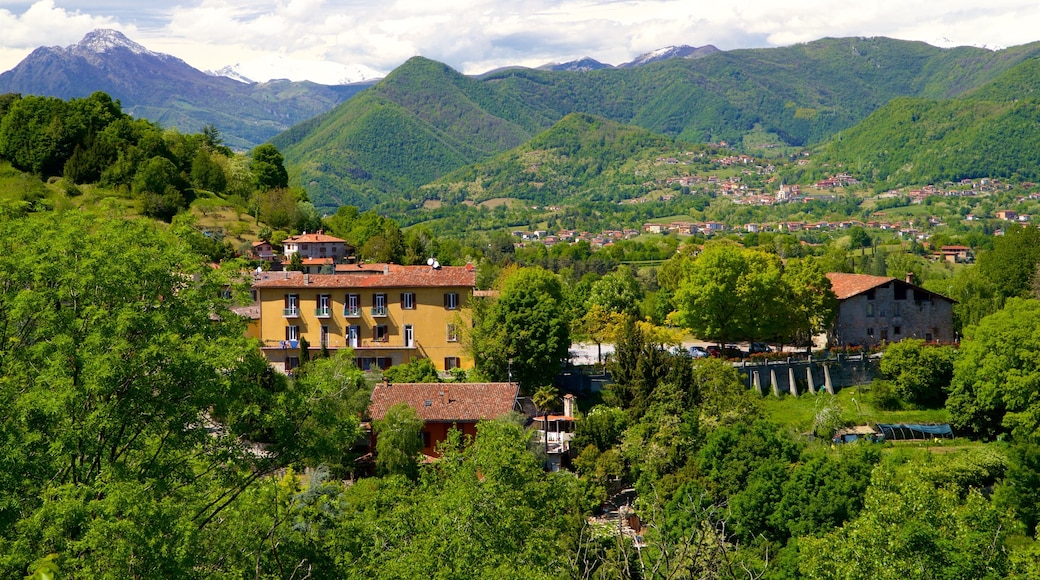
[879, 309]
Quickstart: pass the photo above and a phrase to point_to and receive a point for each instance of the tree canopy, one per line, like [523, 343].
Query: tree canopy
[525, 331]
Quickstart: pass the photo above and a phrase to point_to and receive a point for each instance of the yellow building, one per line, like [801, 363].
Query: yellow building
[388, 314]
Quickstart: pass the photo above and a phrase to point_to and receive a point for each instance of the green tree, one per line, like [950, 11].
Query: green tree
[996, 377]
[525, 331]
[810, 304]
[1020, 489]
[920, 373]
[419, 370]
[268, 168]
[1012, 263]
[207, 174]
[398, 441]
[117, 361]
[617, 292]
[729, 294]
[910, 529]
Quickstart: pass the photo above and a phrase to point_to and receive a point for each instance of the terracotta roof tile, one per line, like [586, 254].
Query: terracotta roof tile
[849, 285]
[446, 401]
[386, 276]
[312, 238]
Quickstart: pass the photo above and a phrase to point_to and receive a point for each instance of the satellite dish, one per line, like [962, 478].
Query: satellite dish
[436, 265]
[430, 261]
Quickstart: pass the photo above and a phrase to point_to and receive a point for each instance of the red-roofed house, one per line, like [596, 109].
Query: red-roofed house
[442, 406]
[316, 245]
[263, 250]
[387, 313]
[878, 309]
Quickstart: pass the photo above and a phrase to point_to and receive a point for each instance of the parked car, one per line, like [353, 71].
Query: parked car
[732, 351]
[758, 347]
[728, 351]
[699, 352]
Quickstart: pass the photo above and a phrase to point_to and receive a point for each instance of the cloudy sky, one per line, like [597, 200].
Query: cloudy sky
[319, 39]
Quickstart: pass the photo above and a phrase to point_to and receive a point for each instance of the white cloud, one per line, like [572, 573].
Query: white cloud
[44, 24]
[477, 35]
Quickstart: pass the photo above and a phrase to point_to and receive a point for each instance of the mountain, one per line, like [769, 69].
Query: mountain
[425, 119]
[581, 156]
[990, 131]
[167, 90]
[668, 52]
[327, 73]
[581, 65]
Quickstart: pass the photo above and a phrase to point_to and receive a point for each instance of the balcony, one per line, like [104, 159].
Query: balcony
[323, 312]
[291, 312]
[349, 312]
[378, 311]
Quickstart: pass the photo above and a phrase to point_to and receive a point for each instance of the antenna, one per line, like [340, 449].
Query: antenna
[430, 261]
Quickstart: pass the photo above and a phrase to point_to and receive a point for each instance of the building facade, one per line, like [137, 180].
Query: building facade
[318, 246]
[873, 310]
[388, 314]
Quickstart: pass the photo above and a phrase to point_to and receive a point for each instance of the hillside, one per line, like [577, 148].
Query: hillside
[434, 120]
[581, 156]
[988, 132]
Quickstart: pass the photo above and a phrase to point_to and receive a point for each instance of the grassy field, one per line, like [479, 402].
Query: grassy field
[799, 413]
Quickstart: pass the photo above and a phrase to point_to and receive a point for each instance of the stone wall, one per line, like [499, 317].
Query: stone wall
[774, 377]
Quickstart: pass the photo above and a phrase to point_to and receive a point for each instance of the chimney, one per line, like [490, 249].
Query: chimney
[386, 268]
[306, 278]
[909, 277]
[444, 395]
[568, 405]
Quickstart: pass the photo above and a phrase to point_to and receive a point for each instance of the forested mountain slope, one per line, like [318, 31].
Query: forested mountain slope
[992, 131]
[425, 119]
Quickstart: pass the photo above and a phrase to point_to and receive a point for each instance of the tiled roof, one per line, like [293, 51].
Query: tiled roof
[446, 401]
[386, 276]
[849, 285]
[312, 238]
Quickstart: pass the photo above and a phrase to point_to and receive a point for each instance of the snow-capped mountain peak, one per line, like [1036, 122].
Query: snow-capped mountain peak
[684, 51]
[102, 40]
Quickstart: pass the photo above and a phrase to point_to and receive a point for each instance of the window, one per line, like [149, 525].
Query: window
[380, 333]
[325, 335]
[451, 362]
[379, 305]
[922, 296]
[291, 362]
[408, 300]
[897, 330]
[352, 305]
[292, 332]
[453, 332]
[870, 331]
[451, 300]
[870, 309]
[427, 440]
[292, 306]
[870, 294]
[900, 292]
[928, 337]
[254, 295]
[324, 306]
[884, 334]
